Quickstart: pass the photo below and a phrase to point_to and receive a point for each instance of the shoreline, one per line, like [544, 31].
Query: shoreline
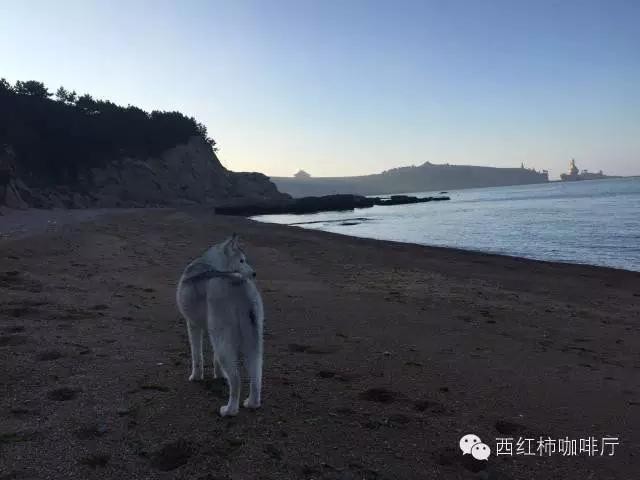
[32, 221]
[456, 249]
[550, 223]
[379, 356]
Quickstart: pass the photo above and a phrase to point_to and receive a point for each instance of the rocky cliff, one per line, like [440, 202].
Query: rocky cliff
[187, 174]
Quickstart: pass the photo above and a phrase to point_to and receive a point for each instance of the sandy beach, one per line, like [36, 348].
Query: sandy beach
[379, 356]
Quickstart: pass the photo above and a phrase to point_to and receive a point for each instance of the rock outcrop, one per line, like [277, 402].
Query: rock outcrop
[10, 184]
[327, 203]
[187, 174]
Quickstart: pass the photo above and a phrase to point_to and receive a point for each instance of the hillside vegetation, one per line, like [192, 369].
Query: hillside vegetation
[74, 151]
[53, 137]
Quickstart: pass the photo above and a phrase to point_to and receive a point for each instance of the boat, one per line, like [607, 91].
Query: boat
[575, 174]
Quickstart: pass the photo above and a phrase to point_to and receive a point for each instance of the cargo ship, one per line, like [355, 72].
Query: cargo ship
[575, 174]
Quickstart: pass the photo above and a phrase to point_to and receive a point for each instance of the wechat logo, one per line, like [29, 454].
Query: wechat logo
[472, 445]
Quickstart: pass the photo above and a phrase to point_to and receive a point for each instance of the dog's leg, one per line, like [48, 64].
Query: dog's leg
[197, 362]
[229, 363]
[254, 370]
[217, 370]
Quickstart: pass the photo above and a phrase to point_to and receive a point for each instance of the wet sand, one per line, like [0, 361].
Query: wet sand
[379, 356]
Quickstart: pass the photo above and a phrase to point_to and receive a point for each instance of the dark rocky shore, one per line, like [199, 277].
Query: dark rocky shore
[325, 203]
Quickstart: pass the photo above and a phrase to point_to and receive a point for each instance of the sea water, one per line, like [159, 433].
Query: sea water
[594, 222]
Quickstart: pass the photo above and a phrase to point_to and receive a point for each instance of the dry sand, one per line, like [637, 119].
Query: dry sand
[379, 357]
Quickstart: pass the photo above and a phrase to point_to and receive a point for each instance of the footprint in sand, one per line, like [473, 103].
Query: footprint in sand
[19, 312]
[21, 411]
[273, 451]
[433, 407]
[173, 455]
[345, 411]
[399, 419]
[14, 280]
[157, 388]
[48, 355]
[14, 329]
[62, 394]
[334, 375]
[380, 395]
[298, 348]
[96, 460]
[92, 430]
[12, 340]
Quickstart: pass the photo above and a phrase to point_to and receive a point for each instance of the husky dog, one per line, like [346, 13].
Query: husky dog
[216, 293]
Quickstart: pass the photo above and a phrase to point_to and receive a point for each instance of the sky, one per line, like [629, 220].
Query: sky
[349, 87]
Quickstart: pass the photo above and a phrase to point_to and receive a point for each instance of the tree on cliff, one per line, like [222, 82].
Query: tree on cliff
[31, 88]
[54, 139]
[65, 96]
[5, 87]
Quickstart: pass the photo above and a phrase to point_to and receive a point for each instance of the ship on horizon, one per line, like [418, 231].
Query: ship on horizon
[575, 174]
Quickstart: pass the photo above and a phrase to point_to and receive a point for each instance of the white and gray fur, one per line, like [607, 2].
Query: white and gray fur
[216, 293]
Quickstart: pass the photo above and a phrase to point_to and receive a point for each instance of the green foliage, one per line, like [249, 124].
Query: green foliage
[5, 87]
[32, 88]
[55, 140]
[65, 96]
[86, 103]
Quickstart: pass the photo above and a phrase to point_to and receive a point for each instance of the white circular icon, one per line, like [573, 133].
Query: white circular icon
[480, 451]
[468, 441]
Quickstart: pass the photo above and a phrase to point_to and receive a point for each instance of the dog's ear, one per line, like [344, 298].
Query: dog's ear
[231, 243]
[234, 241]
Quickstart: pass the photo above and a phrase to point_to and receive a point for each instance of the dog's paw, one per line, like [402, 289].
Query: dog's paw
[227, 411]
[196, 377]
[249, 403]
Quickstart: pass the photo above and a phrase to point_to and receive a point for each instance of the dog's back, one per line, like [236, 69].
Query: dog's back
[234, 315]
[232, 311]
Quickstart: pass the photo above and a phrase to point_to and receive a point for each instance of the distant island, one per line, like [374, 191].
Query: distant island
[422, 178]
